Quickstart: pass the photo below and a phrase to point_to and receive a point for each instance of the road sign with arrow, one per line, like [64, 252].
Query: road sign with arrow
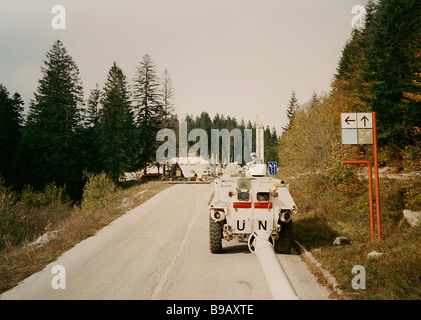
[364, 120]
[357, 128]
[349, 120]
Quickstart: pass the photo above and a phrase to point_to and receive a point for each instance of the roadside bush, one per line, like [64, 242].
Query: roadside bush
[413, 194]
[51, 195]
[402, 194]
[44, 209]
[13, 225]
[98, 191]
[411, 158]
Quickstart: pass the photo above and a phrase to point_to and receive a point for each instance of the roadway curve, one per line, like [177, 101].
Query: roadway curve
[160, 250]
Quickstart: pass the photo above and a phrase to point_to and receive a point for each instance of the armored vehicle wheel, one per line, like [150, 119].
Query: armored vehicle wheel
[284, 242]
[215, 236]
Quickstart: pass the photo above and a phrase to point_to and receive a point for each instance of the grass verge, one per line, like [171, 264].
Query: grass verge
[326, 214]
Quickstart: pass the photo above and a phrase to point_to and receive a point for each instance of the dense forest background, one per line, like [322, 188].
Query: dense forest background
[63, 138]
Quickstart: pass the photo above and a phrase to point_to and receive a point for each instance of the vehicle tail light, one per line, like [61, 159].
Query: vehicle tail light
[263, 205]
[241, 205]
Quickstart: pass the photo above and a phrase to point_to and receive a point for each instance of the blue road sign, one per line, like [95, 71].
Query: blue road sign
[273, 167]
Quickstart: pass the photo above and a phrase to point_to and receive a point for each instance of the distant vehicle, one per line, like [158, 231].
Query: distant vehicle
[245, 200]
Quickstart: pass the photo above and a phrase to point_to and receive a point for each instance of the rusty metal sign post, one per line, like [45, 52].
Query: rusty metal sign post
[359, 128]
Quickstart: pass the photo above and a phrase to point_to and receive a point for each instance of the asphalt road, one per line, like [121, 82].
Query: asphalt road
[160, 250]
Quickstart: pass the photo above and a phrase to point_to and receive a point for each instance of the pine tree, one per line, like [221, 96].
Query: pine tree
[370, 9]
[350, 61]
[204, 122]
[274, 145]
[349, 84]
[93, 108]
[149, 112]
[90, 131]
[314, 101]
[11, 123]
[50, 142]
[116, 125]
[391, 61]
[291, 110]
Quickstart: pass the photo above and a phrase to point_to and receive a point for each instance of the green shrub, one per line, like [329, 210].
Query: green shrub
[13, 224]
[412, 194]
[51, 195]
[411, 157]
[402, 194]
[98, 191]
[44, 209]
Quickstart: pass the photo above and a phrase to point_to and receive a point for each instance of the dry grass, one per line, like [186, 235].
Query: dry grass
[19, 262]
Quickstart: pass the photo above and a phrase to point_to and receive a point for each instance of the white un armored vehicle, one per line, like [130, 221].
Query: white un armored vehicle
[243, 202]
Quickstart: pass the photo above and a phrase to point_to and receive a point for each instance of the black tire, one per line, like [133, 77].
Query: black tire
[215, 236]
[284, 243]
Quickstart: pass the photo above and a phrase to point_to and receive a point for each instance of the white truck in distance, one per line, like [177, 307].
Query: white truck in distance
[243, 202]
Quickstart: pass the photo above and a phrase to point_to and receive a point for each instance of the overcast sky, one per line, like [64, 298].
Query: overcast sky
[234, 57]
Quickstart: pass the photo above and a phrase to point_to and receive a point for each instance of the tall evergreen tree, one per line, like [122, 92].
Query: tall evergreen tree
[203, 121]
[291, 110]
[370, 9]
[50, 143]
[11, 123]
[149, 112]
[93, 108]
[270, 144]
[350, 60]
[91, 145]
[116, 125]
[391, 60]
[314, 101]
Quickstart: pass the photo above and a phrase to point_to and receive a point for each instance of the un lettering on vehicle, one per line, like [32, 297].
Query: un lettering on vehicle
[248, 225]
[263, 224]
[242, 225]
[263, 219]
